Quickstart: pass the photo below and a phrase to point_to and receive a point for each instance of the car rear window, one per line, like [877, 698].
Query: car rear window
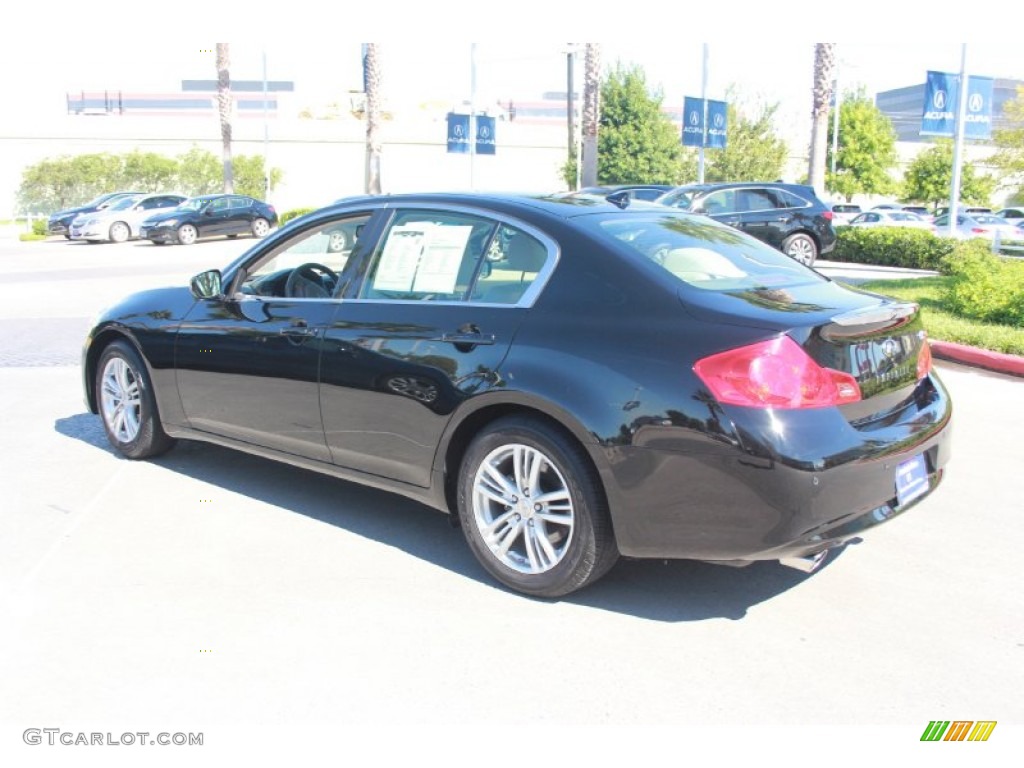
[702, 253]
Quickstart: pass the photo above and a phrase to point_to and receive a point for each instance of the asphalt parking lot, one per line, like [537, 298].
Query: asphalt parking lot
[278, 611]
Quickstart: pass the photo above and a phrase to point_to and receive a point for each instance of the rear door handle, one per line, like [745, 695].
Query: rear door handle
[463, 337]
[298, 329]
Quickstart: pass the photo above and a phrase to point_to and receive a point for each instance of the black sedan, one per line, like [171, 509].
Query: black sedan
[210, 216]
[571, 379]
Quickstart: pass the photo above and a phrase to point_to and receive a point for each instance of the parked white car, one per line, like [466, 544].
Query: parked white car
[886, 217]
[121, 220]
[984, 225]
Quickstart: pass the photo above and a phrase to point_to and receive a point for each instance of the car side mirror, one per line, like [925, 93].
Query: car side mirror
[207, 285]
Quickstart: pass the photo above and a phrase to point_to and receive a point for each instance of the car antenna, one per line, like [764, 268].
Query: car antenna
[621, 199]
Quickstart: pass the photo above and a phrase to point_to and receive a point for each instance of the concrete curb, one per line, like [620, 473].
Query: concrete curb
[1012, 365]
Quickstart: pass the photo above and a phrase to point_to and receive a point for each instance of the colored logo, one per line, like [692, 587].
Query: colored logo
[958, 730]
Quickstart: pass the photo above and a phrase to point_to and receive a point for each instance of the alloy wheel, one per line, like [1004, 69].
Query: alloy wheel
[523, 508]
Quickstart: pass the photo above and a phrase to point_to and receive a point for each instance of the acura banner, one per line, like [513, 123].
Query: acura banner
[941, 105]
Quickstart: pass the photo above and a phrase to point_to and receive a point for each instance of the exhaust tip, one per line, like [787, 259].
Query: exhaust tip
[807, 563]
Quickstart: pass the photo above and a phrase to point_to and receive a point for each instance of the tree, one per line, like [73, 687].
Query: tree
[224, 112]
[199, 172]
[53, 184]
[147, 172]
[824, 65]
[1010, 140]
[867, 149]
[591, 111]
[753, 150]
[250, 176]
[637, 142]
[371, 83]
[930, 175]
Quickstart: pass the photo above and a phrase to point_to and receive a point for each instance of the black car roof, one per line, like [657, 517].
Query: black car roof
[552, 204]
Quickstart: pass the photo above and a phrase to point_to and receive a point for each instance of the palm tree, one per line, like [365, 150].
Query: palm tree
[371, 82]
[224, 111]
[591, 111]
[824, 66]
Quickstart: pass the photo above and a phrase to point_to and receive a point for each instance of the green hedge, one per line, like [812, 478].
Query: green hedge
[985, 287]
[39, 227]
[892, 247]
[294, 213]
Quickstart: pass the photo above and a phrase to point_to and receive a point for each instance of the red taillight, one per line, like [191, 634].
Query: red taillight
[828, 215]
[924, 360]
[775, 374]
[978, 230]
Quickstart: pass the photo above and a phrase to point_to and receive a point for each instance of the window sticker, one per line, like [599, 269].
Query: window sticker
[442, 257]
[422, 257]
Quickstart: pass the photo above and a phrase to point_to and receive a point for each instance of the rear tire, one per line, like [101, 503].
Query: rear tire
[260, 227]
[801, 247]
[532, 508]
[127, 405]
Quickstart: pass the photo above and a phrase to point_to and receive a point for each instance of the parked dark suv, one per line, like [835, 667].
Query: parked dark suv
[789, 217]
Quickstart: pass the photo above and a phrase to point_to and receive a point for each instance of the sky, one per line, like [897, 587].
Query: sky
[765, 50]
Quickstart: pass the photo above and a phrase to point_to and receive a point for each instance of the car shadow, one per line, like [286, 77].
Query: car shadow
[658, 590]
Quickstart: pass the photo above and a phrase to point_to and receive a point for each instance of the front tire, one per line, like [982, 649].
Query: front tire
[187, 234]
[127, 404]
[532, 508]
[801, 247]
[119, 232]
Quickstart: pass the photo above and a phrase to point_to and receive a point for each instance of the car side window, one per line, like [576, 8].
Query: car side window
[789, 200]
[513, 261]
[219, 205]
[240, 202]
[721, 202]
[756, 200]
[308, 265]
[428, 256]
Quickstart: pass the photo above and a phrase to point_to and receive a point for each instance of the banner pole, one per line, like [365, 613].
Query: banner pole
[958, 144]
[704, 106]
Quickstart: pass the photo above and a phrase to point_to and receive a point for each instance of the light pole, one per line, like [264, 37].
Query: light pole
[570, 106]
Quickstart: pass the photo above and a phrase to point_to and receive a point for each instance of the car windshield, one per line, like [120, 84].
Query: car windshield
[704, 254]
[904, 216]
[986, 219]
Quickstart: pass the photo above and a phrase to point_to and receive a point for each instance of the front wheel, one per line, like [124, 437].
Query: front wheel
[187, 234]
[260, 227]
[119, 232]
[127, 404]
[532, 509]
[800, 247]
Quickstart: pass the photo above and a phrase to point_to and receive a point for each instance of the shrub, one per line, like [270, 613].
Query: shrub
[892, 247]
[39, 227]
[985, 286]
[294, 213]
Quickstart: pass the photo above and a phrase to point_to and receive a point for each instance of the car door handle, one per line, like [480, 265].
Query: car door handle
[468, 337]
[299, 329]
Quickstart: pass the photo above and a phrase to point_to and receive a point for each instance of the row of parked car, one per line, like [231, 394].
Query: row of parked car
[163, 218]
[793, 219]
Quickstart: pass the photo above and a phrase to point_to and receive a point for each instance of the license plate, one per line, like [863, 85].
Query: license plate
[911, 480]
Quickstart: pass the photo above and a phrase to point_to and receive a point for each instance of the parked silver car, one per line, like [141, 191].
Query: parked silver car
[121, 220]
[984, 225]
[890, 218]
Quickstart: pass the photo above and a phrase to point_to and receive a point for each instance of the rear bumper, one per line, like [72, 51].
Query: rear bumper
[764, 486]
